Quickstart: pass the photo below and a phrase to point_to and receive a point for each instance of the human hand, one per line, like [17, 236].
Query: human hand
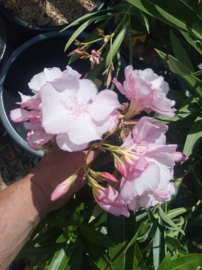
[53, 169]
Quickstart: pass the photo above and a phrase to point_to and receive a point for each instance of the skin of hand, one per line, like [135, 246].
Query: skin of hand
[53, 169]
[26, 202]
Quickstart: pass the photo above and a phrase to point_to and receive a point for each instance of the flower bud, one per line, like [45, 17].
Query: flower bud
[101, 32]
[62, 188]
[120, 166]
[179, 157]
[77, 42]
[109, 177]
[106, 39]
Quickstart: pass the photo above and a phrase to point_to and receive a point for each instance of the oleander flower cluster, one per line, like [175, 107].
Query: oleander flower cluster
[67, 112]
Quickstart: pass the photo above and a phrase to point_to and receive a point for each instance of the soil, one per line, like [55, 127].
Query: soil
[49, 12]
[15, 163]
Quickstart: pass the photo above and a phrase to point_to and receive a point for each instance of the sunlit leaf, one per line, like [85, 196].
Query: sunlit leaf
[180, 52]
[177, 67]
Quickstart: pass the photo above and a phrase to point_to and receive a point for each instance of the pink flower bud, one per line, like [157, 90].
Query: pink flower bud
[109, 177]
[120, 166]
[62, 188]
[123, 170]
[179, 157]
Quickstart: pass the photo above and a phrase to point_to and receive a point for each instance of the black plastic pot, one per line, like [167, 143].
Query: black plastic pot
[3, 41]
[45, 50]
[31, 28]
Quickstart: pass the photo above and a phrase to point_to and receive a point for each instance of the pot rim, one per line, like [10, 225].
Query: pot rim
[4, 11]
[3, 36]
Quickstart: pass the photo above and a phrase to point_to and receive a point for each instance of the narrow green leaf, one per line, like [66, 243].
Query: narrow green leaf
[166, 219]
[96, 212]
[178, 96]
[96, 237]
[78, 31]
[139, 263]
[47, 236]
[117, 42]
[197, 73]
[174, 244]
[196, 87]
[176, 212]
[194, 136]
[158, 245]
[146, 21]
[200, 9]
[61, 258]
[59, 218]
[42, 250]
[172, 12]
[197, 184]
[76, 257]
[121, 230]
[85, 18]
[188, 262]
[165, 264]
[188, 103]
[179, 51]
[195, 42]
[140, 214]
[164, 57]
[177, 67]
[116, 231]
[133, 240]
[98, 256]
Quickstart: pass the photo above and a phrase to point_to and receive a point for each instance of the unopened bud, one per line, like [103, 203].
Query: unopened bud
[62, 188]
[180, 157]
[109, 177]
[101, 32]
[77, 42]
[120, 166]
[106, 39]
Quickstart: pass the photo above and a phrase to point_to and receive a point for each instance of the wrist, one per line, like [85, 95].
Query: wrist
[40, 197]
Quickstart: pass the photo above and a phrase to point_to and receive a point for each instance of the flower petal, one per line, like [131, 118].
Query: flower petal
[104, 104]
[20, 115]
[49, 74]
[83, 130]
[109, 200]
[65, 144]
[87, 91]
[56, 118]
[66, 81]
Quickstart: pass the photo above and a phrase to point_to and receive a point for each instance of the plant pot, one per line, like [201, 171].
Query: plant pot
[3, 41]
[35, 30]
[46, 50]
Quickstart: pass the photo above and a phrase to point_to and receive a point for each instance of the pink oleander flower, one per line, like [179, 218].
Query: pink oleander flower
[146, 92]
[149, 176]
[109, 200]
[67, 108]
